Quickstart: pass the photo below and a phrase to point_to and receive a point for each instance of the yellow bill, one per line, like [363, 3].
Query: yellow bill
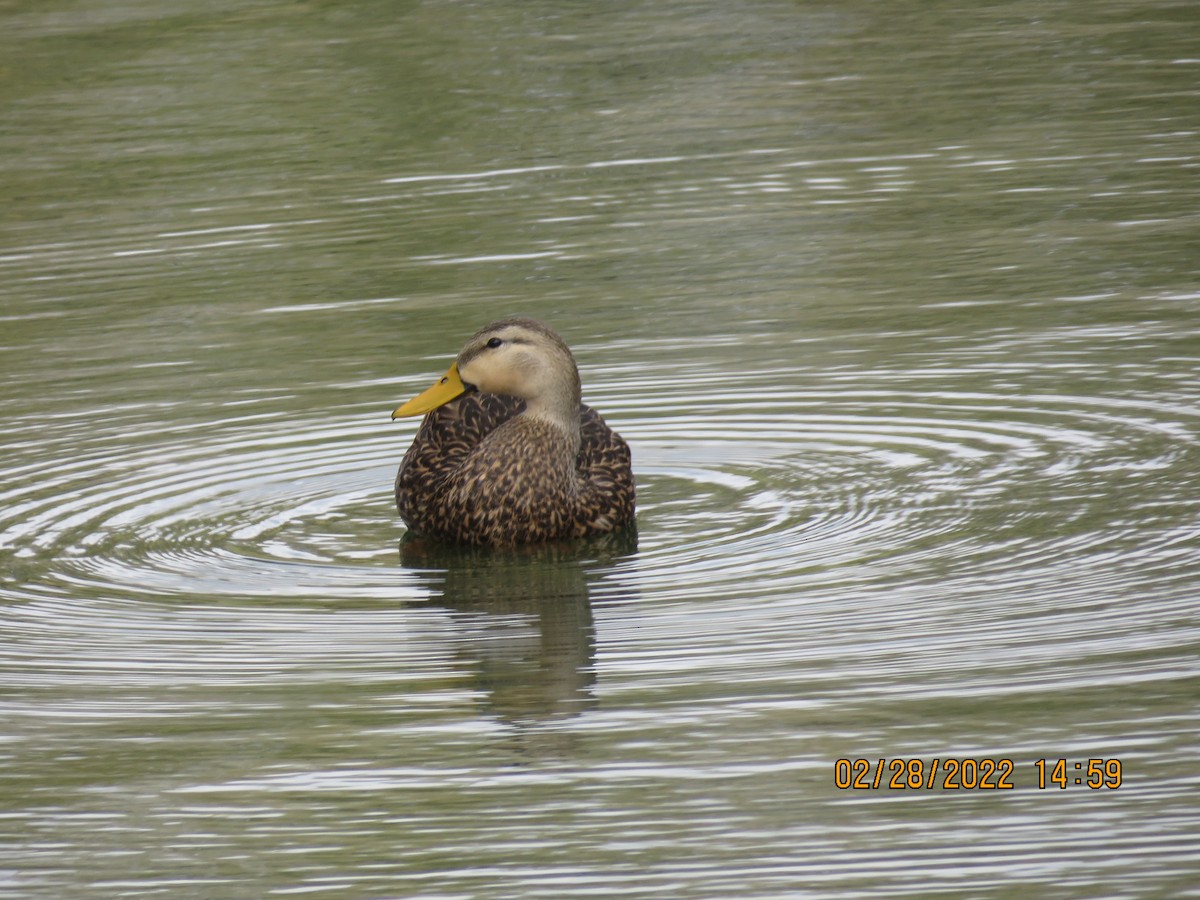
[447, 388]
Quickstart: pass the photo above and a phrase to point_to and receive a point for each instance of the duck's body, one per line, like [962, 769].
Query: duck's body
[519, 459]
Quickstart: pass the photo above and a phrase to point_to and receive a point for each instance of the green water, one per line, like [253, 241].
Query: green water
[895, 304]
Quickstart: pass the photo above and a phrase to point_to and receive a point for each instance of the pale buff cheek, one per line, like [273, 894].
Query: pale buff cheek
[524, 374]
[511, 384]
[512, 375]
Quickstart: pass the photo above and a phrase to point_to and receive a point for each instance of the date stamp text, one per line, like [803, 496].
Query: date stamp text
[972, 774]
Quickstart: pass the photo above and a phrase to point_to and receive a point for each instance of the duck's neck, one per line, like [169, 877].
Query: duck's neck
[561, 411]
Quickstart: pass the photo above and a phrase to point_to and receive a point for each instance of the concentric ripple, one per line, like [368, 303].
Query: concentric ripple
[247, 509]
[798, 481]
[876, 483]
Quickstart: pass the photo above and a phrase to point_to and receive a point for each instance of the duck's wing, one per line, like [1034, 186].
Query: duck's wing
[609, 494]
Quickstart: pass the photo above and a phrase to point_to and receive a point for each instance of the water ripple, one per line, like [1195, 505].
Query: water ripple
[781, 482]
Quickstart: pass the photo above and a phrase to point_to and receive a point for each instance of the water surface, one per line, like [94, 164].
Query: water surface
[897, 310]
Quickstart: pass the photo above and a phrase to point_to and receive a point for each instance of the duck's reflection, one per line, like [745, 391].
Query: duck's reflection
[526, 618]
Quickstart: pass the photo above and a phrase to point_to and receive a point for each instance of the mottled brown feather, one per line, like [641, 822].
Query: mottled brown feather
[478, 472]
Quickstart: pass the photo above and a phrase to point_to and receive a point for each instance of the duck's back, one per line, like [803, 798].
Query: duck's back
[466, 479]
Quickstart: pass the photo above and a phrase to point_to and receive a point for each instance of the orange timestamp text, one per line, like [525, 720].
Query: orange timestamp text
[970, 774]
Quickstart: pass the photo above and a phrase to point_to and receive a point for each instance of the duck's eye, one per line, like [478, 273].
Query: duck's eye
[494, 343]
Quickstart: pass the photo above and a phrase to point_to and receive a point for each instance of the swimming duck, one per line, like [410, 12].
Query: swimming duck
[507, 453]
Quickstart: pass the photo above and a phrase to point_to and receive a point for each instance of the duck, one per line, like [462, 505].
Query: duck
[508, 454]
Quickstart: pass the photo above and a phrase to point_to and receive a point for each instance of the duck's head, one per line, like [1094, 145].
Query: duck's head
[518, 358]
